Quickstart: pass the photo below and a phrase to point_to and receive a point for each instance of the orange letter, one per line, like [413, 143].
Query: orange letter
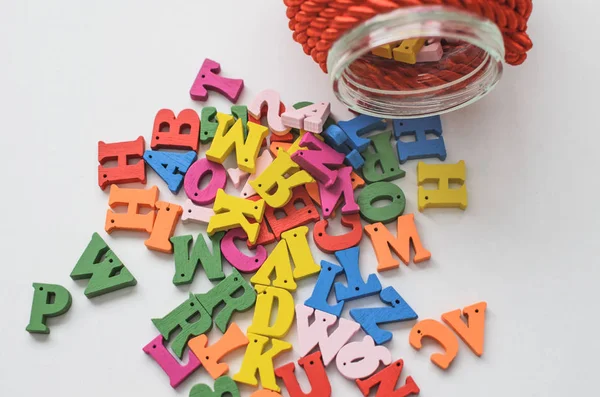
[209, 356]
[383, 242]
[164, 226]
[436, 330]
[133, 199]
[471, 334]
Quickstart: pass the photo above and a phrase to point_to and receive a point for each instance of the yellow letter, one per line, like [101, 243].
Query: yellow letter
[278, 261]
[407, 50]
[264, 306]
[274, 178]
[228, 138]
[293, 243]
[231, 212]
[304, 263]
[443, 175]
[256, 360]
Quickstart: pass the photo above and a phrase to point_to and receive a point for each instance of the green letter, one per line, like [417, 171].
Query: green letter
[105, 276]
[49, 300]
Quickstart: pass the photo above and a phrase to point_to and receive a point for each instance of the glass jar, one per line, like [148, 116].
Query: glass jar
[367, 78]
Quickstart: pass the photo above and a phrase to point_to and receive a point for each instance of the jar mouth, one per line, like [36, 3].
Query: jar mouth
[470, 67]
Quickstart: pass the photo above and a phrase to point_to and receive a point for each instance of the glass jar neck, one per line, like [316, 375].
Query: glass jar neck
[389, 89]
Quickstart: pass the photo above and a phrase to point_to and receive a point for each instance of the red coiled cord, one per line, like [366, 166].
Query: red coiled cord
[317, 24]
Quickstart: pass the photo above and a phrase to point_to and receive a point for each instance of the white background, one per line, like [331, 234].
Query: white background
[76, 72]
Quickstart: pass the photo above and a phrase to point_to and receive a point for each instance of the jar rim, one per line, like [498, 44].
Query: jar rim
[410, 22]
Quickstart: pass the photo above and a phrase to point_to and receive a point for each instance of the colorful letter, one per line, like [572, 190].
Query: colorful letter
[317, 333]
[104, 269]
[274, 177]
[49, 300]
[122, 152]
[233, 339]
[384, 242]
[255, 360]
[229, 138]
[201, 168]
[186, 264]
[223, 293]
[261, 323]
[133, 199]
[171, 167]
[176, 372]
[315, 372]
[231, 212]
[421, 147]
[168, 131]
[178, 319]
[443, 175]
[208, 77]
[387, 379]
[167, 215]
[358, 360]
[370, 318]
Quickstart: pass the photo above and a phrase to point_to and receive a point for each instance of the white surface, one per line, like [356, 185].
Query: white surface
[75, 72]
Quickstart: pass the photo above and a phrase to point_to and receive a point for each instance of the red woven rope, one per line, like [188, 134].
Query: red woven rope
[317, 24]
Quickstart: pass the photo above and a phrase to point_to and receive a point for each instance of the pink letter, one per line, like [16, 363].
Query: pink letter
[191, 183]
[236, 175]
[243, 263]
[310, 118]
[317, 157]
[358, 360]
[195, 213]
[316, 334]
[176, 372]
[271, 99]
[208, 78]
[330, 196]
